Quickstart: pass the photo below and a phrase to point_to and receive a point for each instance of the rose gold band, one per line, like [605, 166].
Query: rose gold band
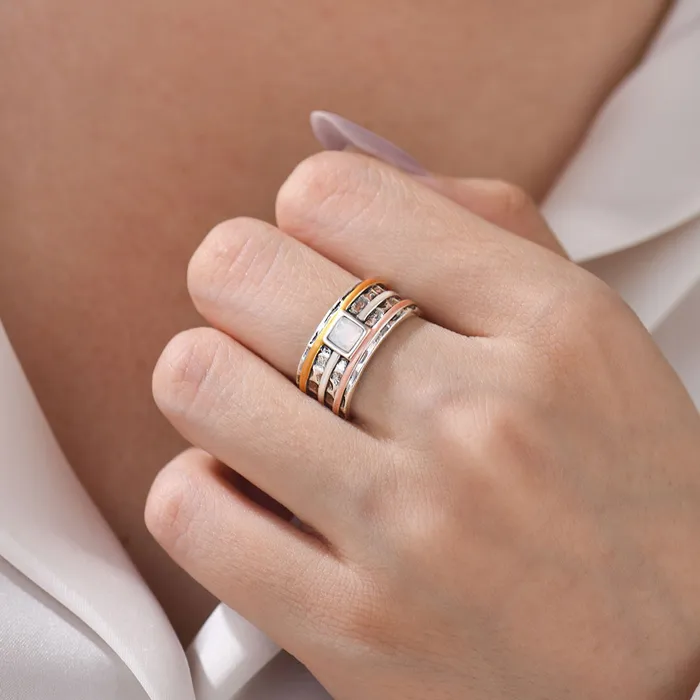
[366, 343]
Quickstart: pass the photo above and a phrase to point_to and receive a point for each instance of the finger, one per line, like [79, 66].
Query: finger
[257, 563]
[495, 201]
[232, 404]
[269, 292]
[467, 274]
[264, 288]
[500, 203]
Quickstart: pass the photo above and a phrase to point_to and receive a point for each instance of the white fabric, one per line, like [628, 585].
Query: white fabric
[226, 654]
[36, 628]
[637, 173]
[77, 621]
[52, 533]
[284, 679]
[656, 275]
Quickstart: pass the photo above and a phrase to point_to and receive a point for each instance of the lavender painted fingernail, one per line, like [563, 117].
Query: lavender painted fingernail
[335, 133]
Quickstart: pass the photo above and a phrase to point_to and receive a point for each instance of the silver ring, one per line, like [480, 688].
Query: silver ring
[345, 341]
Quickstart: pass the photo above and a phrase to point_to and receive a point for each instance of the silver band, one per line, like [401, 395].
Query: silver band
[381, 298]
[325, 378]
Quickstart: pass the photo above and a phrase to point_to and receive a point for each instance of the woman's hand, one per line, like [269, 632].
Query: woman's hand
[515, 512]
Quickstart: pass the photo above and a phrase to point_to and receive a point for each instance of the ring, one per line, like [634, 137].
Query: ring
[346, 339]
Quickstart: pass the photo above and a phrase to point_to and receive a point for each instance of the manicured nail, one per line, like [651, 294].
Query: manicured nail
[335, 133]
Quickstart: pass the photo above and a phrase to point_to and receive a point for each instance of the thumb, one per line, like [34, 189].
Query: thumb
[501, 203]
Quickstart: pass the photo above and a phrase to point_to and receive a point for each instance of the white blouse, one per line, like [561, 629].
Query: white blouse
[77, 622]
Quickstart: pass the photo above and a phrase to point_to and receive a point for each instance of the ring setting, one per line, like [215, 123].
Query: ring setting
[344, 334]
[346, 339]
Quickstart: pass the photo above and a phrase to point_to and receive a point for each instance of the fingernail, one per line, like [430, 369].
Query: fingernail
[335, 133]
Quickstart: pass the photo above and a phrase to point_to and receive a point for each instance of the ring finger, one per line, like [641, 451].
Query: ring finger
[269, 291]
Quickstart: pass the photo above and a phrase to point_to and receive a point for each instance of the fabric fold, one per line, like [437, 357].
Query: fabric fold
[53, 534]
[654, 277]
[637, 174]
[226, 654]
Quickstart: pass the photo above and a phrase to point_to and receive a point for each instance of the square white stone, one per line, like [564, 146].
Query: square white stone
[345, 334]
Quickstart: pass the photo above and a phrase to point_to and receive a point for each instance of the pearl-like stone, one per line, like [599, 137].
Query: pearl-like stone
[346, 334]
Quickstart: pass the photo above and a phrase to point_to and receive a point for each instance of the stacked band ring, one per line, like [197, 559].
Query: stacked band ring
[346, 339]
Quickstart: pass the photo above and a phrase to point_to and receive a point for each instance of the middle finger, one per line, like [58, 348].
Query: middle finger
[468, 275]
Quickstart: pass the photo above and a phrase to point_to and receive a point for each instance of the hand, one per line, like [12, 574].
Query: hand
[515, 512]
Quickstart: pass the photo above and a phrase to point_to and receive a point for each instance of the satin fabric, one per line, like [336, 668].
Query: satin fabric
[76, 619]
[36, 629]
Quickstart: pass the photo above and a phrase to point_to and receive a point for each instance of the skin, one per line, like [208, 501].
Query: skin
[516, 520]
[128, 130]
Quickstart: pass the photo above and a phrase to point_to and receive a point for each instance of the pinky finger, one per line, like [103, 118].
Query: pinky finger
[254, 561]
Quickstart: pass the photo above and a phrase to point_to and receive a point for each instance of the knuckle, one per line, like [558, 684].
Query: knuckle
[472, 430]
[438, 402]
[507, 447]
[181, 379]
[503, 426]
[232, 262]
[329, 187]
[496, 430]
[445, 405]
[171, 508]
[510, 199]
[589, 315]
[444, 388]
[599, 303]
[583, 339]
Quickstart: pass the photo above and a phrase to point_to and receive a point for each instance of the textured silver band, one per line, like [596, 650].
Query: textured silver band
[326, 377]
